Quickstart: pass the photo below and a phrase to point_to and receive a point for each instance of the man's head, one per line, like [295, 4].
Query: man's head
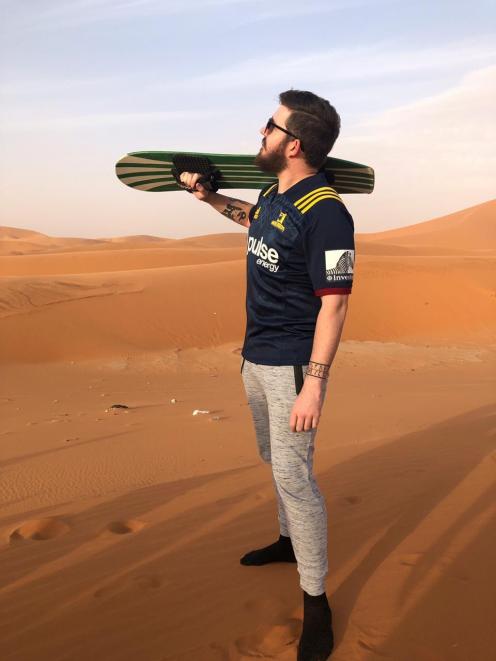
[312, 125]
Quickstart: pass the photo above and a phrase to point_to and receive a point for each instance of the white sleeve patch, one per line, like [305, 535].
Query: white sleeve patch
[339, 264]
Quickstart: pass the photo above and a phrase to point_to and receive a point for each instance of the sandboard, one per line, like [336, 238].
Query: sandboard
[159, 171]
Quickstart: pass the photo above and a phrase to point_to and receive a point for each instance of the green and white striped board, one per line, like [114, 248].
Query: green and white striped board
[152, 171]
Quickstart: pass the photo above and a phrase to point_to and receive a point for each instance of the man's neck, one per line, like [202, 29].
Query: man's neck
[288, 179]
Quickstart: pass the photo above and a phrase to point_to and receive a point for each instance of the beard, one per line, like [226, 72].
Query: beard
[273, 162]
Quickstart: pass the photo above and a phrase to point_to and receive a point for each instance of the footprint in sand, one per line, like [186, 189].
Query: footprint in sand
[411, 559]
[449, 571]
[39, 529]
[148, 581]
[142, 582]
[371, 648]
[126, 526]
[269, 642]
[353, 500]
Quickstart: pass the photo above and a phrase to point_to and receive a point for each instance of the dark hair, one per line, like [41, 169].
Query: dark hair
[314, 121]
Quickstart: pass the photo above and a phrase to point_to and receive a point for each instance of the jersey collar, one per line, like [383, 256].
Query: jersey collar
[303, 186]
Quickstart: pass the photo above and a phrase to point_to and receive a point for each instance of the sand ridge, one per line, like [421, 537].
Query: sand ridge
[109, 301]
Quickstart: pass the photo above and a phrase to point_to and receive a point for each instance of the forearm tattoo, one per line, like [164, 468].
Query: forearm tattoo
[238, 214]
[321, 370]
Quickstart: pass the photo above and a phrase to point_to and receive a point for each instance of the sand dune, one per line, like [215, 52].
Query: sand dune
[121, 529]
[18, 234]
[473, 228]
[190, 292]
[412, 300]
[15, 242]
[104, 261]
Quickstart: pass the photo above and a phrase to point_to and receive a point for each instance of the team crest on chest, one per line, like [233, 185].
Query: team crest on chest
[279, 222]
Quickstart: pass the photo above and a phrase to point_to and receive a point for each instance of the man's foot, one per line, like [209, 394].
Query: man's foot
[280, 551]
[317, 640]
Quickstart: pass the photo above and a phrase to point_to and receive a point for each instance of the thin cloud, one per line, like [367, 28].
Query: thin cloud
[37, 87]
[55, 15]
[283, 11]
[340, 65]
[97, 120]
[431, 157]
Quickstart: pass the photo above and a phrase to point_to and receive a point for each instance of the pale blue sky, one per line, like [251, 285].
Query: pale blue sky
[86, 81]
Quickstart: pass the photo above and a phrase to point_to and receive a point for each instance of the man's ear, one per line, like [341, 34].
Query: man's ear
[294, 147]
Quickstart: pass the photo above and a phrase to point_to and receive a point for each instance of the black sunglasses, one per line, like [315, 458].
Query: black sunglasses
[271, 123]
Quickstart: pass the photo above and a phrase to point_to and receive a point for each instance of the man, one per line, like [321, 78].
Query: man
[300, 257]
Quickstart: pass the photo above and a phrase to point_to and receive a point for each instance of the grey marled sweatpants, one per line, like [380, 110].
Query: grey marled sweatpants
[271, 392]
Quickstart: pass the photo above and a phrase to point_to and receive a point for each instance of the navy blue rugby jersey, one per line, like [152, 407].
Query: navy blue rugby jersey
[300, 247]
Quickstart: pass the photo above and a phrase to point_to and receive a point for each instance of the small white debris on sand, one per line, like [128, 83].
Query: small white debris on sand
[173, 400]
[196, 411]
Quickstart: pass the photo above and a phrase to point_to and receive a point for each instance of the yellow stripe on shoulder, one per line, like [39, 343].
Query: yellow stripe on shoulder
[270, 189]
[314, 200]
[306, 199]
[314, 192]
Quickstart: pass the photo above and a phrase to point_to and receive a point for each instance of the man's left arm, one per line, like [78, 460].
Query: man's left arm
[328, 329]
[329, 249]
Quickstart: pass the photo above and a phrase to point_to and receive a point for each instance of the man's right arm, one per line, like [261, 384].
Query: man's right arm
[236, 210]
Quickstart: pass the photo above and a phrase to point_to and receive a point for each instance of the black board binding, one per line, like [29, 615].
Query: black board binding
[186, 163]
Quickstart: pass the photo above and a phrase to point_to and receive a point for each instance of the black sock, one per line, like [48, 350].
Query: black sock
[317, 639]
[280, 551]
